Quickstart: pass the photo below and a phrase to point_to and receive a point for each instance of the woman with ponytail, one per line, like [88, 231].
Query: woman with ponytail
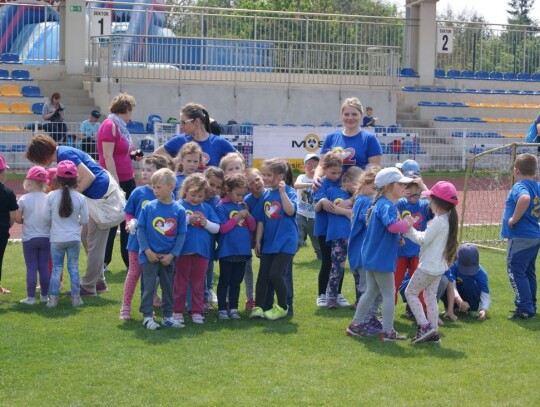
[195, 126]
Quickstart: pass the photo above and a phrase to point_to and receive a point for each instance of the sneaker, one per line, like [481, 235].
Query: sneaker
[392, 336]
[234, 314]
[250, 304]
[331, 303]
[435, 338]
[43, 299]
[374, 326]
[212, 296]
[197, 319]
[322, 301]
[101, 287]
[171, 323]
[179, 317]
[83, 292]
[53, 301]
[356, 330]
[257, 312]
[408, 312]
[276, 312]
[423, 333]
[342, 301]
[28, 301]
[125, 312]
[76, 301]
[156, 302]
[519, 314]
[222, 314]
[150, 324]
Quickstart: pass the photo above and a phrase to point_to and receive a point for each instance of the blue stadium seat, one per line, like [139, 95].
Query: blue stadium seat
[492, 135]
[470, 90]
[496, 75]
[246, 129]
[485, 91]
[457, 104]
[527, 92]
[440, 90]
[4, 148]
[476, 134]
[307, 125]
[457, 134]
[325, 124]
[498, 92]
[31, 92]
[474, 120]
[510, 76]
[9, 58]
[425, 103]
[153, 118]
[535, 77]
[20, 75]
[442, 119]
[439, 73]
[515, 92]
[524, 76]
[481, 75]
[467, 74]
[136, 128]
[440, 104]
[18, 148]
[476, 150]
[458, 119]
[407, 72]
[4, 75]
[407, 147]
[37, 108]
[453, 73]
[454, 90]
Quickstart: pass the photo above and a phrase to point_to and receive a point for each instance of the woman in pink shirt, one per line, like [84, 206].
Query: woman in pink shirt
[115, 151]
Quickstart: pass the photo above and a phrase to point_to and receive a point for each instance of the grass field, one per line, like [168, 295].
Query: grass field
[88, 357]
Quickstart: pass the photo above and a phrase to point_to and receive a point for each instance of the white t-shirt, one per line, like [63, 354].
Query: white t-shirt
[66, 229]
[32, 206]
[304, 198]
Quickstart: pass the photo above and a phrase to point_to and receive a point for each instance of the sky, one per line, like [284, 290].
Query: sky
[494, 11]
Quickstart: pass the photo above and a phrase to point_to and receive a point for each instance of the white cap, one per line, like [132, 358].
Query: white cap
[310, 156]
[389, 175]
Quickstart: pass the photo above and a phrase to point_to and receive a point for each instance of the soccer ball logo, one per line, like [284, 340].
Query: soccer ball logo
[312, 142]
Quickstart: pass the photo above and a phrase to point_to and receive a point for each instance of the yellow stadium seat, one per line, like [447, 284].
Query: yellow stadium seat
[490, 119]
[10, 90]
[531, 106]
[11, 128]
[4, 108]
[21, 108]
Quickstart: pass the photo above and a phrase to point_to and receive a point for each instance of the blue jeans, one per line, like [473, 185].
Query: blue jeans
[58, 251]
[520, 262]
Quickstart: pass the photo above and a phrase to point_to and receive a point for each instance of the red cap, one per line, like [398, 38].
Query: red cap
[444, 190]
[37, 173]
[66, 169]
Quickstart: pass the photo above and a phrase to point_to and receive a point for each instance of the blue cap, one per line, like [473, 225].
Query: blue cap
[409, 168]
[468, 259]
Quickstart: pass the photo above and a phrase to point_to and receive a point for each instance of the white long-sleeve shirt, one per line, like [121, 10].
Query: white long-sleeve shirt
[432, 243]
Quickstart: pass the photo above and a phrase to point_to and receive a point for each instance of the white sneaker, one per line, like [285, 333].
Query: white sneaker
[53, 301]
[213, 296]
[234, 314]
[150, 324]
[28, 301]
[342, 301]
[179, 317]
[322, 301]
[172, 323]
[197, 319]
[76, 301]
[43, 298]
[222, 315]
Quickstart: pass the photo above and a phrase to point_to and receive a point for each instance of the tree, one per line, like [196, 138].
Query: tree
[519, 12]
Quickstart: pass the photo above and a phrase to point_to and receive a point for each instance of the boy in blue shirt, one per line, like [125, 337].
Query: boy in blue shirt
[161, 232]
[520, 227]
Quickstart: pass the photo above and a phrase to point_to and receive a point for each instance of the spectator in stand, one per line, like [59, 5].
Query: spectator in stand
[89, 129]
[53, 114]
[369, 120]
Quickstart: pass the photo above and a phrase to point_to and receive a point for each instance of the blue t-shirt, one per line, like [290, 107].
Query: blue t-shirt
[356, 149]
[527, 227]
[321, 217]
[198, 239]
[421, 213]
[237, 242]
[89, 129]
[179, 181]
[280, 230]
[358, 230]
[163, 224]
[481, 277]
[251, 201]
[214, 148]
[379, 252]
[136, 202]
[99, 187]
[339, 226]
[366, 120]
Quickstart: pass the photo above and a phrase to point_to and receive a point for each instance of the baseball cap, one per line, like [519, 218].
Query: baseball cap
[95, 114]
[51, 172]
[468, 259]
[444, 190]
[3, 164]
[409, 168]
[37, 173]
[389, 175]
[66, 169]
[310, 156]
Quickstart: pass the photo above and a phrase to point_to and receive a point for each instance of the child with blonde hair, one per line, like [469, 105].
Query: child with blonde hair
[35, 234]
[192, 263]
[232, 163]
[188, 161]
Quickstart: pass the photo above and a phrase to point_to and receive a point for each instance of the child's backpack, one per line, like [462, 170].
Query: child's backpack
[532, 134]
[153, 118]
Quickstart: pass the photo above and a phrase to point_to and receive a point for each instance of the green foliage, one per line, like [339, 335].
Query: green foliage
[519, 12]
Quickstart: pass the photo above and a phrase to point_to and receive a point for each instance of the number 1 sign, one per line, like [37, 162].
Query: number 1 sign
[100, 22]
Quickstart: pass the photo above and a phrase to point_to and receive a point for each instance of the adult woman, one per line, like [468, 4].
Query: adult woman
[195, 122]
[93, 183]
[114, 147]
[53, 114]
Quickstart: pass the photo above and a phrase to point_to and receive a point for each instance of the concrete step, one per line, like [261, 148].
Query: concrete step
[413, 123]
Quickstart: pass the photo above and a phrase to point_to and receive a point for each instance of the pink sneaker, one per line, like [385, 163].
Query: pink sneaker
[125, 312]
[250, 304]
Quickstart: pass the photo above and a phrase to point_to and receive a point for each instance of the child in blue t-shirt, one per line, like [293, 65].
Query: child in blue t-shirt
[234, 244]
[189, 161]
[192, 264]
[379, 253]
[338, 230]
[520, 227]
[136, 202]
[276, 237]
[161, 231]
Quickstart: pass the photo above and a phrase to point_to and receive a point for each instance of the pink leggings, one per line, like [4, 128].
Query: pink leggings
[133, 275]
[429, 284]
[190, 269]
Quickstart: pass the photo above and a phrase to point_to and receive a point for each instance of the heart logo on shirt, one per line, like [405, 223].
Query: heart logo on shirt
[164, 226]
[241, 222]
[271, 209]
[196, 213]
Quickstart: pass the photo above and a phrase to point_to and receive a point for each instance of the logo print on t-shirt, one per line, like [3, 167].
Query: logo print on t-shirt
[241, 222]
[347, 155]
[166, 227]
[272, 209]
[143, 204]
[205, 159]
[417, 218]
[197, 213]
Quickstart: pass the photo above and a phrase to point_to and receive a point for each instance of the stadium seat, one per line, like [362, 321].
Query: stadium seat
[498, 92]
[524, 76]
[4, 148]
[325, 124]
[37, 108]
[153, 118]
[18, 148]
[475, 134]
[527, 92]
[481, 75]
[136, 128]
[440, 104]
[492, 135]
[457, 134]
[510, 76]
[285, 125]
[20, 75]
[425, 103]
[535, 77]
[9, 128]
[439, 73]
[442, 119]
[453, 73]
[407, 72]
[4, 109]
[21, 108]
[10, 91]
[467, 74]
[147, 144]
[470, 90]
[474, 120]
[31, 92]
[457, 119]
[4, 75]
[9, 58]
[496, 75]
[307, 125]
[457, 104]
[454, 90]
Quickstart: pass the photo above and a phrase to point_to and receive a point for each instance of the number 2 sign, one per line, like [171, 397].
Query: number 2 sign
[445, 40]
[100, 22]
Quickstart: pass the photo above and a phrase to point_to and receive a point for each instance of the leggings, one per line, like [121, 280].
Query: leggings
[422, 281]
[36, 255]
[326, 265]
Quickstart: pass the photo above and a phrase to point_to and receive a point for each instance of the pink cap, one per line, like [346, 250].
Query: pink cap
[51, 172]
[37, 173]
[66, 169]
[444, 190]
[3, 164]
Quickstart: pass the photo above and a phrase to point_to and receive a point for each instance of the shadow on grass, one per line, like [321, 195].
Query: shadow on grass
[334, 313]
[62, 310]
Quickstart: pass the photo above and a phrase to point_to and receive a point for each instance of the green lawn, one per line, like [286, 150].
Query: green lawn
[87, 356]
